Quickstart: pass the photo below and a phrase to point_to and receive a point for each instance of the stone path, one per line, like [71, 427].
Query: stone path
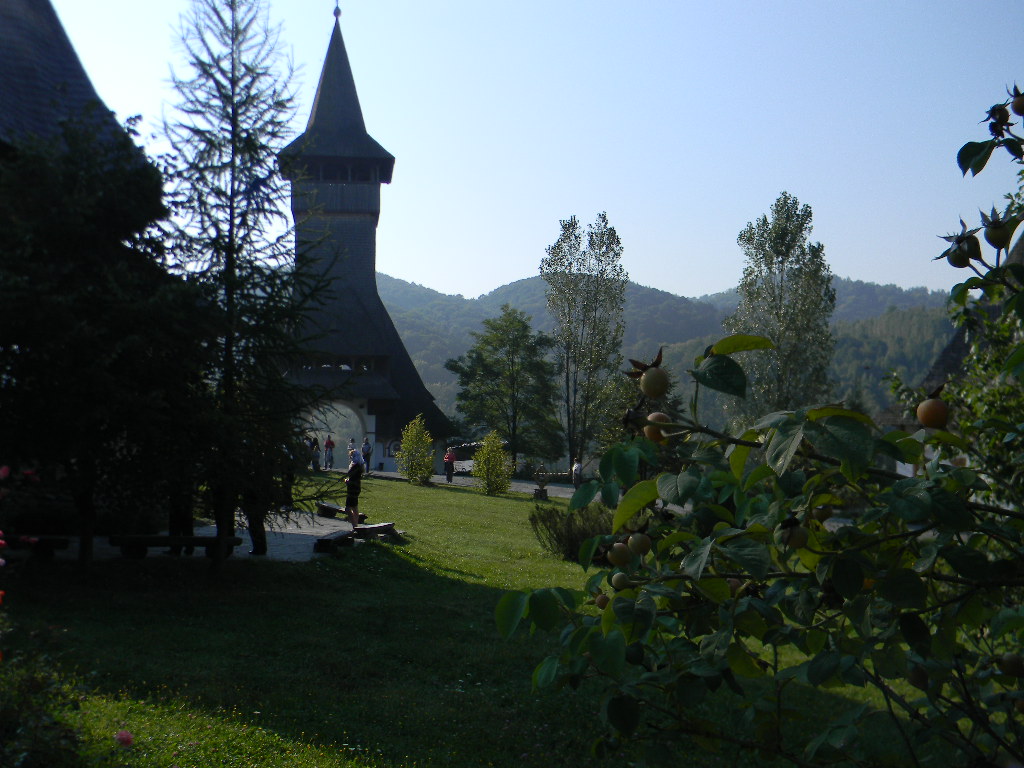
[294, 540]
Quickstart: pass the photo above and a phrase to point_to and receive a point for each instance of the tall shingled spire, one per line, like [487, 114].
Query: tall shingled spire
[335, 139]
[336, 170]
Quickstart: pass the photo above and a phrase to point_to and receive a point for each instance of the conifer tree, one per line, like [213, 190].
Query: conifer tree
[232, 118]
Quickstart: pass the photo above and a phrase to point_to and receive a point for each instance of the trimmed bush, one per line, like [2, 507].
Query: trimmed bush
[415, 458]
[492, 466]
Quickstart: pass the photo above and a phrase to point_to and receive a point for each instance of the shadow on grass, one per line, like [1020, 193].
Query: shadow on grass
[367, 651]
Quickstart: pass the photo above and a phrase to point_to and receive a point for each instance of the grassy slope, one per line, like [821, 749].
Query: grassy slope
[385, 656]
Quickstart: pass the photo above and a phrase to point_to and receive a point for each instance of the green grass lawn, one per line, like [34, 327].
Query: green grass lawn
[386, 655]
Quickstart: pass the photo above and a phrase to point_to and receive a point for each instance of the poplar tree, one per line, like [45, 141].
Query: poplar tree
[232, 118]
[507, 384]
[586, 295]
[786, 294]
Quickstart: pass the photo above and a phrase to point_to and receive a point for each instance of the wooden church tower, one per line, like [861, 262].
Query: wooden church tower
[336, 170]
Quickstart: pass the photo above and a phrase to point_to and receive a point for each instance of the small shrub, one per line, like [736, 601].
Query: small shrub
[562, 533]
[33, 706]
[415, 458]
[492, 466]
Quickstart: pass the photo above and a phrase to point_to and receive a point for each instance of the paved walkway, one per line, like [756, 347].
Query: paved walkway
[293, 540]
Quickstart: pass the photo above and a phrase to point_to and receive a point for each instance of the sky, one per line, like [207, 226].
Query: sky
[682, 119]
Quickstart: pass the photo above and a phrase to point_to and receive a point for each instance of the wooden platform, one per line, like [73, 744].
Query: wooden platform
[136, 547]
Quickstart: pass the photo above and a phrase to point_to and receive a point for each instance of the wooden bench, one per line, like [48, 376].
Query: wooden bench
[136, 547]
[326, 509]
[329, 544]
[42, 547]
[375, 529]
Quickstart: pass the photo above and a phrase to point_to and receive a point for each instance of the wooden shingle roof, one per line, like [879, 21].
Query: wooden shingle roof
[42, 81]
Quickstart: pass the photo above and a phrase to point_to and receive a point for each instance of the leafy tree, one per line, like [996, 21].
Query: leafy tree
[101, 350]
[232, 119]
[911, 589]
[415, 456]
[492, 465]
[786, 295]
[586, 287]
[507, 384]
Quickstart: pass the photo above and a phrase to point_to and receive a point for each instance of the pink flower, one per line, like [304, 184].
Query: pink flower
[5, 472]
[124, 738]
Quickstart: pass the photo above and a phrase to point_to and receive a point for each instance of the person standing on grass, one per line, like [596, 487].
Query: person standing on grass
[577, 474]
[354, 481]
[314, 456]
[449, 463]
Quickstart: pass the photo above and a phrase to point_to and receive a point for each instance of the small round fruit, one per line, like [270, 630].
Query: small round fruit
[653, 433]
[735, 585]
[933, 413]
[620, 580]
[654, 383]
[602, 600]
[619, 555]
[957, 257]
[1011, 664]
[1017, 105]
[999, 235]
[640, 544]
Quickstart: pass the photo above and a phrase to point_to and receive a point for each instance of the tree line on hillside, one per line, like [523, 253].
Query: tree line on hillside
[877, 328]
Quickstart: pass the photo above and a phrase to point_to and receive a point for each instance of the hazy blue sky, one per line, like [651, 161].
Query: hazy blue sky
[683, 120]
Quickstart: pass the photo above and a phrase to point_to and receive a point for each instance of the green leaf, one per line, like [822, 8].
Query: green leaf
[974, 155]
[626, 463]
[827, 411]
[741, 342]
[546, 609]
[749, 555]
[715, 589]
[722, 374]
[738, 454]
[623, 714]
[1014, 364]
[822, 667]
[693, 563]
[847, 577]
[545, 673]
[610, 492]
[678, 489]
[636, 498]
[904, 589]
[741, 662]
[584, 495]
[587, 551]
[608, 652]
[509, 612]
[915, 632]
[782, 447]
[760, 473]
[843, 438]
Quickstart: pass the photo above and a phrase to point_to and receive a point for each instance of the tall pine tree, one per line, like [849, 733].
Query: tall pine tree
[232, 118]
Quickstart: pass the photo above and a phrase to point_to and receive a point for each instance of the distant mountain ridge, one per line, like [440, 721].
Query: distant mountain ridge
[435, 326]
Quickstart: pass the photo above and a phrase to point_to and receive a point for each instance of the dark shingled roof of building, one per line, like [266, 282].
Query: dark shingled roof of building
[336, 128]
[42, 81]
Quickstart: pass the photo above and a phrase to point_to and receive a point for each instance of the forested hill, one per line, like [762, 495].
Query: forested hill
[437, 326]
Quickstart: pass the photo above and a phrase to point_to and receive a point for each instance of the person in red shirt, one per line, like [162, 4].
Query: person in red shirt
[329, 453]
